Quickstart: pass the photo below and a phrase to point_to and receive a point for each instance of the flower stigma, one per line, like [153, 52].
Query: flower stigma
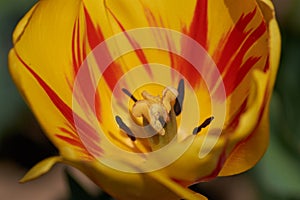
[158, 114]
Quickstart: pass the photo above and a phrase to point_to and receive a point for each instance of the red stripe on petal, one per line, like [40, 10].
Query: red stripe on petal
[79, 45]
[235, 75]
[199, 26]
[64, 109]
[259, 118]
[234, 69]
[78, 55]
[219, 166]
[150, 17]
[78, 141]
[94, 34]
[112, 74]
[197, 30]
[231, 56]
[70, 140]
[137, 48]
[56, 100]
[95, 37]
[74, 57]
[234, 122]
[70, 133]
[267, 65]
[186, 69]
[233, 40]
[253, 37]
[246, 67]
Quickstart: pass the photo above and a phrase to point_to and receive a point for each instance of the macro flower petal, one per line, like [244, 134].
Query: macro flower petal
[249, 151]
[135, 186]
[55, 65]
[41, 168]
[46, 68]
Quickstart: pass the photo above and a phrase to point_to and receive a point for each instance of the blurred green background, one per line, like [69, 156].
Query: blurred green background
[22, 144]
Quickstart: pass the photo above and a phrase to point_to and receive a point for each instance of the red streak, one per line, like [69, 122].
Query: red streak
[234, 39]
[199, 26]
[230, 57]
[138, 50]
[64, 109]
[95, 36]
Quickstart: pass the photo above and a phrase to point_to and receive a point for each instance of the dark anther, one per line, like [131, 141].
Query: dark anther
[203, 125]
[129, 94]
[162, 121]
[125, 128]
[179, 99]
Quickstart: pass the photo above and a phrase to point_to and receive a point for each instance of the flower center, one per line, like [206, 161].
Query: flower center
[158, 114]
[155, 110]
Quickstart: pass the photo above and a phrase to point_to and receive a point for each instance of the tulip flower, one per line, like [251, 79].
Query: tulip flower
[149, 97]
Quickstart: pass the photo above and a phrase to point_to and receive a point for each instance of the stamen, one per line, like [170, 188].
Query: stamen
[125, 128]
[203, 125]
[129, 94]
[162, 121]
[179, 99]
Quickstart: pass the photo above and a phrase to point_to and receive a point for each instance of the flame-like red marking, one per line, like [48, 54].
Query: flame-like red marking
[95, 36]
[259, 117]
[199, 26]
[236, 117]
[138, 50]
[229, 57]
[66, 111]
[236, 68]
[198, 31]
[233, 40]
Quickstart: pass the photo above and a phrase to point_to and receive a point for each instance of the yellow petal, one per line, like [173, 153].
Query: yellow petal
[274, 38]
[42, 65]
[43, 40]
[61, 33]
[42, 43]
[250, 137]
[41, 168]
[176, 188]
[251, 150]
[135, 186]
[52, 120]
[122, 15]
[191, 167]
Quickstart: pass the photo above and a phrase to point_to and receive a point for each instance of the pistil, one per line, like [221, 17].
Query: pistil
[155, 109]
[158, 114]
